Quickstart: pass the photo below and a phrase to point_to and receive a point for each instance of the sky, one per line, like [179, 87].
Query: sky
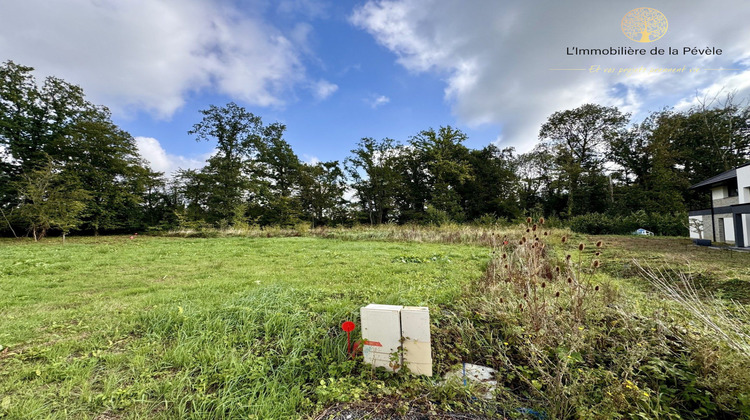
[335, 71]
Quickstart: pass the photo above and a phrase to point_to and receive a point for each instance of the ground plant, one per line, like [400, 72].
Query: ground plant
[245, 323]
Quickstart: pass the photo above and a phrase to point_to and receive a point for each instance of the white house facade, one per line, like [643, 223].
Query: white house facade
[728, 219]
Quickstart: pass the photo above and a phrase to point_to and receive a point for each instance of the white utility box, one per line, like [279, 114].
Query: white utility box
[395, 335]
[415, 330]
[381, 332]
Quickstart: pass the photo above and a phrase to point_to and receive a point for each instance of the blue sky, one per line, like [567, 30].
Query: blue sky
[336, 71]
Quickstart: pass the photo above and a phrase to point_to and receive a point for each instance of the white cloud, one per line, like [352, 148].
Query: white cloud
[379, 101]
[159, 160]
[310, 160]
[495, 57]
[734, 83]
[323, 89]
[148, 55]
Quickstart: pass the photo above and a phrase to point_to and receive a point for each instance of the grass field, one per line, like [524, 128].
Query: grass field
[248, 327]
[208, 328]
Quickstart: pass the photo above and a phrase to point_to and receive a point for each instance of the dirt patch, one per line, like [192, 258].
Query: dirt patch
[384, 410]
[107, 416]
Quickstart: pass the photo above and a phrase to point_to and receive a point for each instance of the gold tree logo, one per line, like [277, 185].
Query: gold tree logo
[644, 24]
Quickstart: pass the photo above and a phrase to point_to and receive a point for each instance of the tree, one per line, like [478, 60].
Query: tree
[374, 177]
[493, 187]
[225, 181]
[106, 161]
[36, 122]
[579, 138]
[55, 123]
[322, 187]
[445, 161]
[277, 170]
[540, 188]
[49, 200]
[648, 162]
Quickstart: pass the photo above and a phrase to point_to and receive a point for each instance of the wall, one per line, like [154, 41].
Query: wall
[729, 229]
[697, 227]
[743, 189]
[717, 193]
[726, 201]
[708, 232]
[722, 235]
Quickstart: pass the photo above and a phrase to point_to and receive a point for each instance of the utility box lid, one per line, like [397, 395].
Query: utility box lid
[379, 307]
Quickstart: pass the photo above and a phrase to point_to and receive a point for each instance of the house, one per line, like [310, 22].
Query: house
[728, 219]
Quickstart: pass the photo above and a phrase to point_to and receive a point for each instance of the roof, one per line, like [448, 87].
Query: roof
[724, 176]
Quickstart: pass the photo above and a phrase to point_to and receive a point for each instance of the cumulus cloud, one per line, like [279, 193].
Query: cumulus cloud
[495, 57]
[310, 159]
[379, 101]
[324, 89]
[148, 55]
[159, 160]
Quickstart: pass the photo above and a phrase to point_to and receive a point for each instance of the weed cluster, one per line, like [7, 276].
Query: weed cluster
[565, 343]
[549, 295]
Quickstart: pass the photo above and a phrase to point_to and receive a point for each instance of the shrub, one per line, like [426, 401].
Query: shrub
[671, 224]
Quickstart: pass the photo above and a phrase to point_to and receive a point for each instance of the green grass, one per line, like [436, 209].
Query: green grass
[202, 328]
[239, 325]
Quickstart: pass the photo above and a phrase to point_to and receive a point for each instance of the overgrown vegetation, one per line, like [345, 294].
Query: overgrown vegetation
[248, 324]
[573, 342]
[667, 224]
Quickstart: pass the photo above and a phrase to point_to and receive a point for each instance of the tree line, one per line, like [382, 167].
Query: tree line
[65, 166]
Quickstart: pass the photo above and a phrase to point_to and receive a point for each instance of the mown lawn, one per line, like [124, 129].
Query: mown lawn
[202, 328]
